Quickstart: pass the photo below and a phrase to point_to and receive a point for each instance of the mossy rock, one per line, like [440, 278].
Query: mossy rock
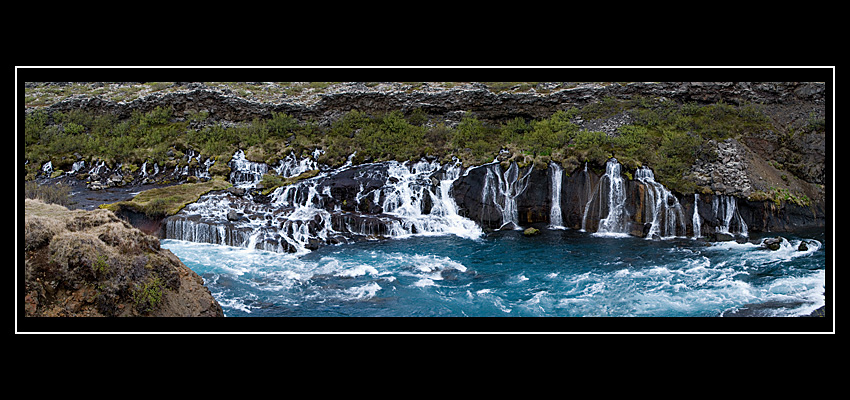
[531, 232]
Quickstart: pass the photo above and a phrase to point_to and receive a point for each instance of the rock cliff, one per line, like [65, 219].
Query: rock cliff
[91, 264]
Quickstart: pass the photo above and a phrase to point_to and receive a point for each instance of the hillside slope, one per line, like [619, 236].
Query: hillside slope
[91, 264]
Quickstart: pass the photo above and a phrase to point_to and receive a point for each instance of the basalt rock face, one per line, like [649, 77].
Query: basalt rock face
[646, 208]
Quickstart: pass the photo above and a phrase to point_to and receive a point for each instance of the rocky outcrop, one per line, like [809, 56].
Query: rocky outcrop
[91, 263]
[727, 173]
[436, 99]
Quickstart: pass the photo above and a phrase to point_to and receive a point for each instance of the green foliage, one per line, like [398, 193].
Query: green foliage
[778, 195]
[663, 135]
[282, 125]
[390, 138]
[547, 135]
[148, 295]
[100, 266]
[474, 141]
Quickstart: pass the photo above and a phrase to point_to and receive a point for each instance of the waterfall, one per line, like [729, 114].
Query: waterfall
[590, 197]
[409, 188]
[556, 175]
[244, 173]
[502, 191]
[696, 220]
[291, 166]
[47, 168]
[729, 220]
[667, 214]
[616, 222]
[79, 165]
[98, 169]
[301, 216]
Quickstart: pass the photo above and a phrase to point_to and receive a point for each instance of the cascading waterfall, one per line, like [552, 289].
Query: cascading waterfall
[616, 222]
[667, 214]
[729, 220]
[405, 191]
[696, 220]
[416, 200]
[590, 196]
[244, 173]
[77, 166]
[556, 176]
[292, 166]
[502, 191]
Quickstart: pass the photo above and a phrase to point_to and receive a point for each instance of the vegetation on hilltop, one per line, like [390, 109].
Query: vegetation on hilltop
[662, 134]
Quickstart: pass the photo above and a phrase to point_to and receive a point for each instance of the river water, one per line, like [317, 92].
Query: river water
[559, 273]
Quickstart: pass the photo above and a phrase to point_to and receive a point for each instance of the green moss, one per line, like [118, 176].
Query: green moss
[531, 232]
[778, 195]
[271, 182]
[166, 201]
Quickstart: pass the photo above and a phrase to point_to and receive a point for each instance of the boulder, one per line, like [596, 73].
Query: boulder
[233, 215]
[723, 237]
[772, 243]
[236, 191]
[531, 232]
[802, 246]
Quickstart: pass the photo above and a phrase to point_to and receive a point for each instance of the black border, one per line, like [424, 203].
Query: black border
[431, 325]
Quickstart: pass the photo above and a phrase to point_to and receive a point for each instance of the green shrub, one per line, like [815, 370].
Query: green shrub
[148, 295]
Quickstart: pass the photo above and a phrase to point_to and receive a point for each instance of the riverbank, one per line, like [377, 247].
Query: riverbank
[92, 263]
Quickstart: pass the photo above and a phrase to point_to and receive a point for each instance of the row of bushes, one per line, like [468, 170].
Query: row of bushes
[663, 135]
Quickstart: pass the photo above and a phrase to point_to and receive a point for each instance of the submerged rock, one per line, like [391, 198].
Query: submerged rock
[772, 243]
[723, 237]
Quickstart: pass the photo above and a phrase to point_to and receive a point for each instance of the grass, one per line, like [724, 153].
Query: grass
[166, 201]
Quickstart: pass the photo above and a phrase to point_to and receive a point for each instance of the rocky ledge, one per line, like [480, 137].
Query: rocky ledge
[92, 264]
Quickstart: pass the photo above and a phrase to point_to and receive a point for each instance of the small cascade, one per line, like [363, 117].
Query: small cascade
[291, 166]
[668, 219]
[47, 168]
[414, 199]
[205, 172]
[729, 220]
[503, 190]
[421, 206]
[696, 220]
[590, 196]
[556, 176]
[244, 173]
[98, 169]
[77, 166]
[616, 222]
